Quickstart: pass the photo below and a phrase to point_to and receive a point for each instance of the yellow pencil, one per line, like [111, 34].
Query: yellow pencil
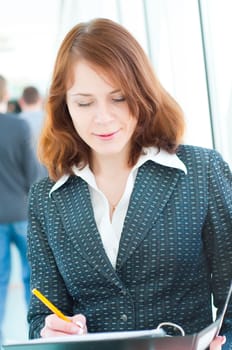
[51, 306]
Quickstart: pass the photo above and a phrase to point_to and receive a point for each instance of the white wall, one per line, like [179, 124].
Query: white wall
[217, 29]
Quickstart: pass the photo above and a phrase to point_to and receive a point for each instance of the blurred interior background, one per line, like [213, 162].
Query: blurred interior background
[188, 41]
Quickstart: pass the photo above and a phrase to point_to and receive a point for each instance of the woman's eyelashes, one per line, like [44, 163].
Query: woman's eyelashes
[84, 104]
[119, 99]
[89, 103]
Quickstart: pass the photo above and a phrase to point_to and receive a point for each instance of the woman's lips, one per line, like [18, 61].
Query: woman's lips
[107, 136]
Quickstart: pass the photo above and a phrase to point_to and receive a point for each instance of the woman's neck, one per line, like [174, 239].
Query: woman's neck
[109, 166]
[111, 174]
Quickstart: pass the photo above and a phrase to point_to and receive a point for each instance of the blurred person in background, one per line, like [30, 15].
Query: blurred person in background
[18, 170]
[31, 104]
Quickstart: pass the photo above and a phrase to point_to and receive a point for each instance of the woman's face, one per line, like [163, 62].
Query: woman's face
[99, 112]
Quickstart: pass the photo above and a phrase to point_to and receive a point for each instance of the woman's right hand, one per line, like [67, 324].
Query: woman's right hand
[56, 327]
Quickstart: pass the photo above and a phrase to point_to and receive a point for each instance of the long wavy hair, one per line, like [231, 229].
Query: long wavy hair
[110, 48]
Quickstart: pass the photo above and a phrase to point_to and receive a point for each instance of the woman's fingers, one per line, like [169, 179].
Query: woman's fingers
[80, 321]
[55, 326]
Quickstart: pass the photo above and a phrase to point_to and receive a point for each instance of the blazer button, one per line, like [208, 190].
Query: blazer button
[123, 318]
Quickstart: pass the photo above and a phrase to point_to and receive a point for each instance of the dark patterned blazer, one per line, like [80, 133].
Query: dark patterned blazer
[175, 249]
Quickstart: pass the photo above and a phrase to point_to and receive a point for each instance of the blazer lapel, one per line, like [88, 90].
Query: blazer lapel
[74, 203]
[153, 187]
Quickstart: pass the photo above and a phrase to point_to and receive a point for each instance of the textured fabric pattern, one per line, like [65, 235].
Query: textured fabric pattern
[175, 249]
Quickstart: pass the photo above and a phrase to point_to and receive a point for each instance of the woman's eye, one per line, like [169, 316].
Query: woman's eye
[119, 99]
[84, 104]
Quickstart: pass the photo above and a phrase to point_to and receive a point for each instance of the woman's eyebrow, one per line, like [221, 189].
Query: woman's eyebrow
[88, 94]
[79, 94]
[115, 91]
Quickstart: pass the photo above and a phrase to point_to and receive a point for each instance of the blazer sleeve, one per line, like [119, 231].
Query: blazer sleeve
[217, 236]
[44, 273]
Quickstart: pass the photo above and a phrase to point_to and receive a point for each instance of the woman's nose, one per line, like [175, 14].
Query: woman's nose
[103, 113]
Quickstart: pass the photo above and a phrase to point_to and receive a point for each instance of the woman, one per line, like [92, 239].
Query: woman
[132, 228]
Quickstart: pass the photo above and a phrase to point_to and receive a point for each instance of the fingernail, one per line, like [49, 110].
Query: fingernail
[224, 339]
[80, 327]
[79, 324]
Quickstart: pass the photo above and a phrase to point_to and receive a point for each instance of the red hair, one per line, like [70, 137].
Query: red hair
[110, 48]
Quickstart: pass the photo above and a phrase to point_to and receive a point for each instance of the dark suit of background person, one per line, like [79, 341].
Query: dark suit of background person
[18, 170]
